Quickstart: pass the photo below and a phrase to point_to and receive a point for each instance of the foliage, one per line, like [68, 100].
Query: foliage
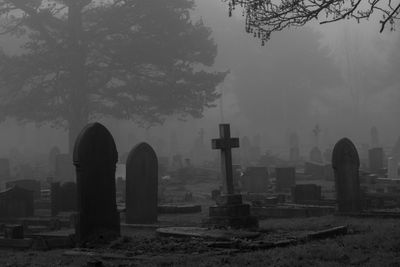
[266, 16]
[139, 60]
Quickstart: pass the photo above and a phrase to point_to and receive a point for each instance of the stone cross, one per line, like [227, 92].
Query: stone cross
[225, 143]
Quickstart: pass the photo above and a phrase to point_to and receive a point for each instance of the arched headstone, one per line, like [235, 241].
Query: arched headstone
[346, 163]
[95, 157]
[141, 185]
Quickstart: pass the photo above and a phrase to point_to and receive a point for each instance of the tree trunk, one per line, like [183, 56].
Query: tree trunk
[78, 98]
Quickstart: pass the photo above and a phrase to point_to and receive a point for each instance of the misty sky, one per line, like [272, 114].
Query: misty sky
[339, 76]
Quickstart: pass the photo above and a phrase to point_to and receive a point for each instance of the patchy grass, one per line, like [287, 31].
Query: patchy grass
[372, 242]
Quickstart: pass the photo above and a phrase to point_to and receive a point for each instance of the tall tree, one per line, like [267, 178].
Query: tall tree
[138, 60]
[266, 16]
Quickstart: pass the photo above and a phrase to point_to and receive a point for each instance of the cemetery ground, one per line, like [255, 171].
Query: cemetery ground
[368, 242]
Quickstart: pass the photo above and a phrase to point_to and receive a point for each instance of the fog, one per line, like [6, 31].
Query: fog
[342, 77]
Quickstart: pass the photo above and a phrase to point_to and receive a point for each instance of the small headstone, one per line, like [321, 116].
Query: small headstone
[16, 202]
[28, 184]
[255, 180]
[141, 185]
[303, 193]
[393, 168]
[375, 160]
[95, 157]
[285, 178]
[346, 163]
[14, 231]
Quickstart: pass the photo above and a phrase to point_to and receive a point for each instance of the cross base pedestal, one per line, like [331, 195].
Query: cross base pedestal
[231, 212]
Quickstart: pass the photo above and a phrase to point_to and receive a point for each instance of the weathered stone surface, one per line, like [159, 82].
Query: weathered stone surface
[16, 202]
[285, 178]
[141, 185]
[346, 163]
[95, 157]
[306, 192]
[255, 180]
[201, 232]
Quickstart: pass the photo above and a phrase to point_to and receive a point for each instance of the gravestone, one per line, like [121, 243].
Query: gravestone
[392, 168]
[4, 169]
[64, 169]
[95, 157]
[16, 202]
[346, 163]
[375, 159]
[28, 184]
[304, 193]
[255, 180]
[141, 185]
[316, 155]
[285, 178]
[230, 210]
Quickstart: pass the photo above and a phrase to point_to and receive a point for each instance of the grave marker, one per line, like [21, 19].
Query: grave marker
[230, 211]
[95, 157]
[346, 163]
[141, 185]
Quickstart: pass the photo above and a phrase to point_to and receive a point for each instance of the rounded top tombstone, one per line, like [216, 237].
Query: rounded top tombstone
[345, 152]
[95, 145]
[141, 149]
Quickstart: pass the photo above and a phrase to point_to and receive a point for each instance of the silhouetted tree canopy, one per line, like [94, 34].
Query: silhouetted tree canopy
[266, 16]
[138, 60]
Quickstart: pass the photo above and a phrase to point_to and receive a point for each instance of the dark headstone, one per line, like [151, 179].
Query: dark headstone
[16, 202]
[346, 163]
[28, 184]
[4, 169]
[63, 197]
[141, 185]
[14, 231]
[255, 180]
[376, 159]
[303, 193]
[285, 178]
[95, 157]
[55, 198]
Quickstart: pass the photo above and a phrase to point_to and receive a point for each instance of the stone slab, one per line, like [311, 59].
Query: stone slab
[175, 209]
[291, 212]
[16, 243]
[230, 210]
[215, 234]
